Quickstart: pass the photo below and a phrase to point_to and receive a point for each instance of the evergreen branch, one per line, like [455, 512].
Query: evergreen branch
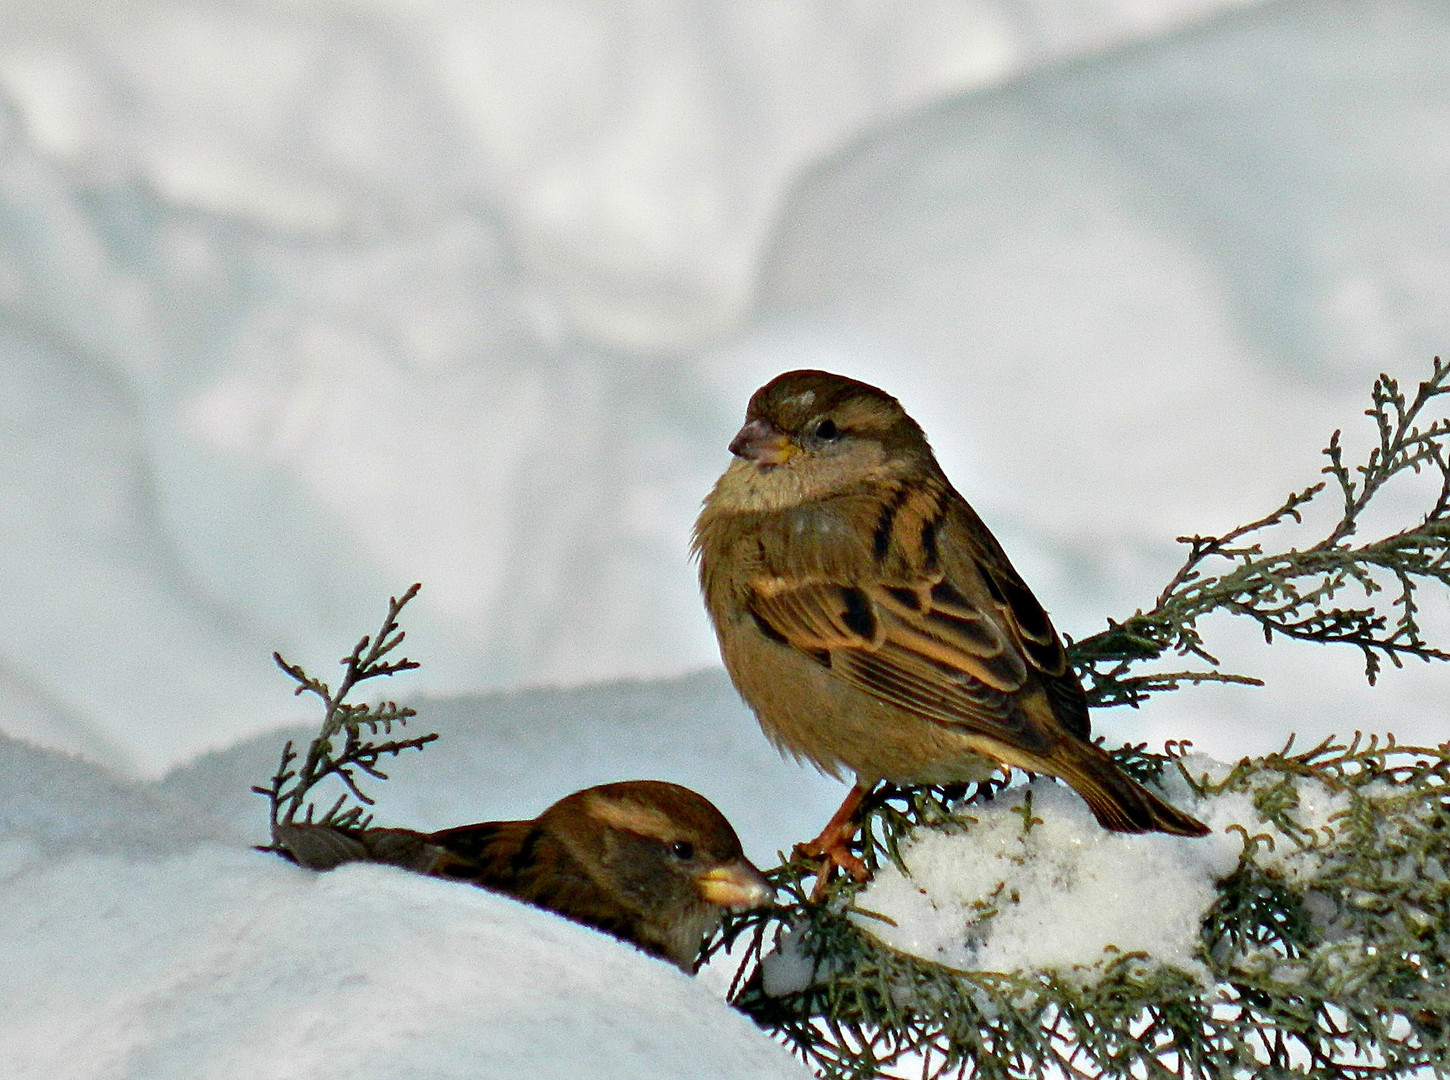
[358, 726]
[1294, 593]
[1328, 952]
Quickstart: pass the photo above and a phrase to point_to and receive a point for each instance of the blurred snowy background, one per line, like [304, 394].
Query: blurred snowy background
[301, 302]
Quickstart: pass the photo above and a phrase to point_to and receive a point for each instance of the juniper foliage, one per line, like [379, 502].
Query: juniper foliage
[1297, 592]
[364, 731]
[1327, 949]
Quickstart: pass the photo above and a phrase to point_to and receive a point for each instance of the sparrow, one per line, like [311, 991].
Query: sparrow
[651, 863]
[873, 622]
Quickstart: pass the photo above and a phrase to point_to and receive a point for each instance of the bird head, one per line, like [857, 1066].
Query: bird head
[666, 855]
[811, 434]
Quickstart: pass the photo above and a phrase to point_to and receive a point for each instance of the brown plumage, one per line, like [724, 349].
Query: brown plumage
[652, 863]
[873, 622]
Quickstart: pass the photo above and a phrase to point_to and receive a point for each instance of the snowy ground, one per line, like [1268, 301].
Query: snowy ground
[302, 303]
[145, 940]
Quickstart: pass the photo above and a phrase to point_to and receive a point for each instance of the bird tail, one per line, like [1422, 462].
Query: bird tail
[1117, 800]
[325, 847]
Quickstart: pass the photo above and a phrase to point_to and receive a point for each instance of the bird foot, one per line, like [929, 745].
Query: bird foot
[832, 854]
[833, 846]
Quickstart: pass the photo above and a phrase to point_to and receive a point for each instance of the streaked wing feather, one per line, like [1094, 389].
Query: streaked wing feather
[1069, 702]
[923, 649]
[490, 853]
[913, 683]
[1041, 646]
[818, 614]
[1027, 618]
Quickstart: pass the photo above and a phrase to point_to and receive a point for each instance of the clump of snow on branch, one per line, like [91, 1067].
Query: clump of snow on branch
[1030, 881]
[1060, 894]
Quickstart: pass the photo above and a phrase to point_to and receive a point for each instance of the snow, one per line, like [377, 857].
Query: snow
[1066, 896]
[1310, 805]
[1063, 896]
[222, 963]
[145, 939]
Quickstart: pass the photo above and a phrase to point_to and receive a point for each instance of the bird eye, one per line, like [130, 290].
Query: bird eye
[827, 431]
[682, 850]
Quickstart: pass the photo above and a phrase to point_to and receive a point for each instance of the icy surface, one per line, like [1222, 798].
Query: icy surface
[302, 303]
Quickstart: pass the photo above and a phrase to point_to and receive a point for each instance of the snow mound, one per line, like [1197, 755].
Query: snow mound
[222, 963]
[136, 946]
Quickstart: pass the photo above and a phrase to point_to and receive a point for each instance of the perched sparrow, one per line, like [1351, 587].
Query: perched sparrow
[874, 623]
[652, 863]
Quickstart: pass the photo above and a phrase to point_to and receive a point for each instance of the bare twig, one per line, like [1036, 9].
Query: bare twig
[357, 725]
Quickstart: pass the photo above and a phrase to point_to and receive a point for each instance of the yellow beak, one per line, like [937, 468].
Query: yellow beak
[738, 886]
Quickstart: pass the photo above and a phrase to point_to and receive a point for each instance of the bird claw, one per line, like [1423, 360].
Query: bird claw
[833, 854]
[832, 848]
[838, 855]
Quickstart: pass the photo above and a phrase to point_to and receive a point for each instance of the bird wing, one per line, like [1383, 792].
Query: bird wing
[1026, 621]
[922, 646]
[527, 860]
[494, 854]
[522, 858]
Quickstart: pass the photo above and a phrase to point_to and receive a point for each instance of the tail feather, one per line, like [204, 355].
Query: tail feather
[1118, 801]
[325, 847]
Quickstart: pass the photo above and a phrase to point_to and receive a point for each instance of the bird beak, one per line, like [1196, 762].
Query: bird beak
[762, 442]
[738, 886]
